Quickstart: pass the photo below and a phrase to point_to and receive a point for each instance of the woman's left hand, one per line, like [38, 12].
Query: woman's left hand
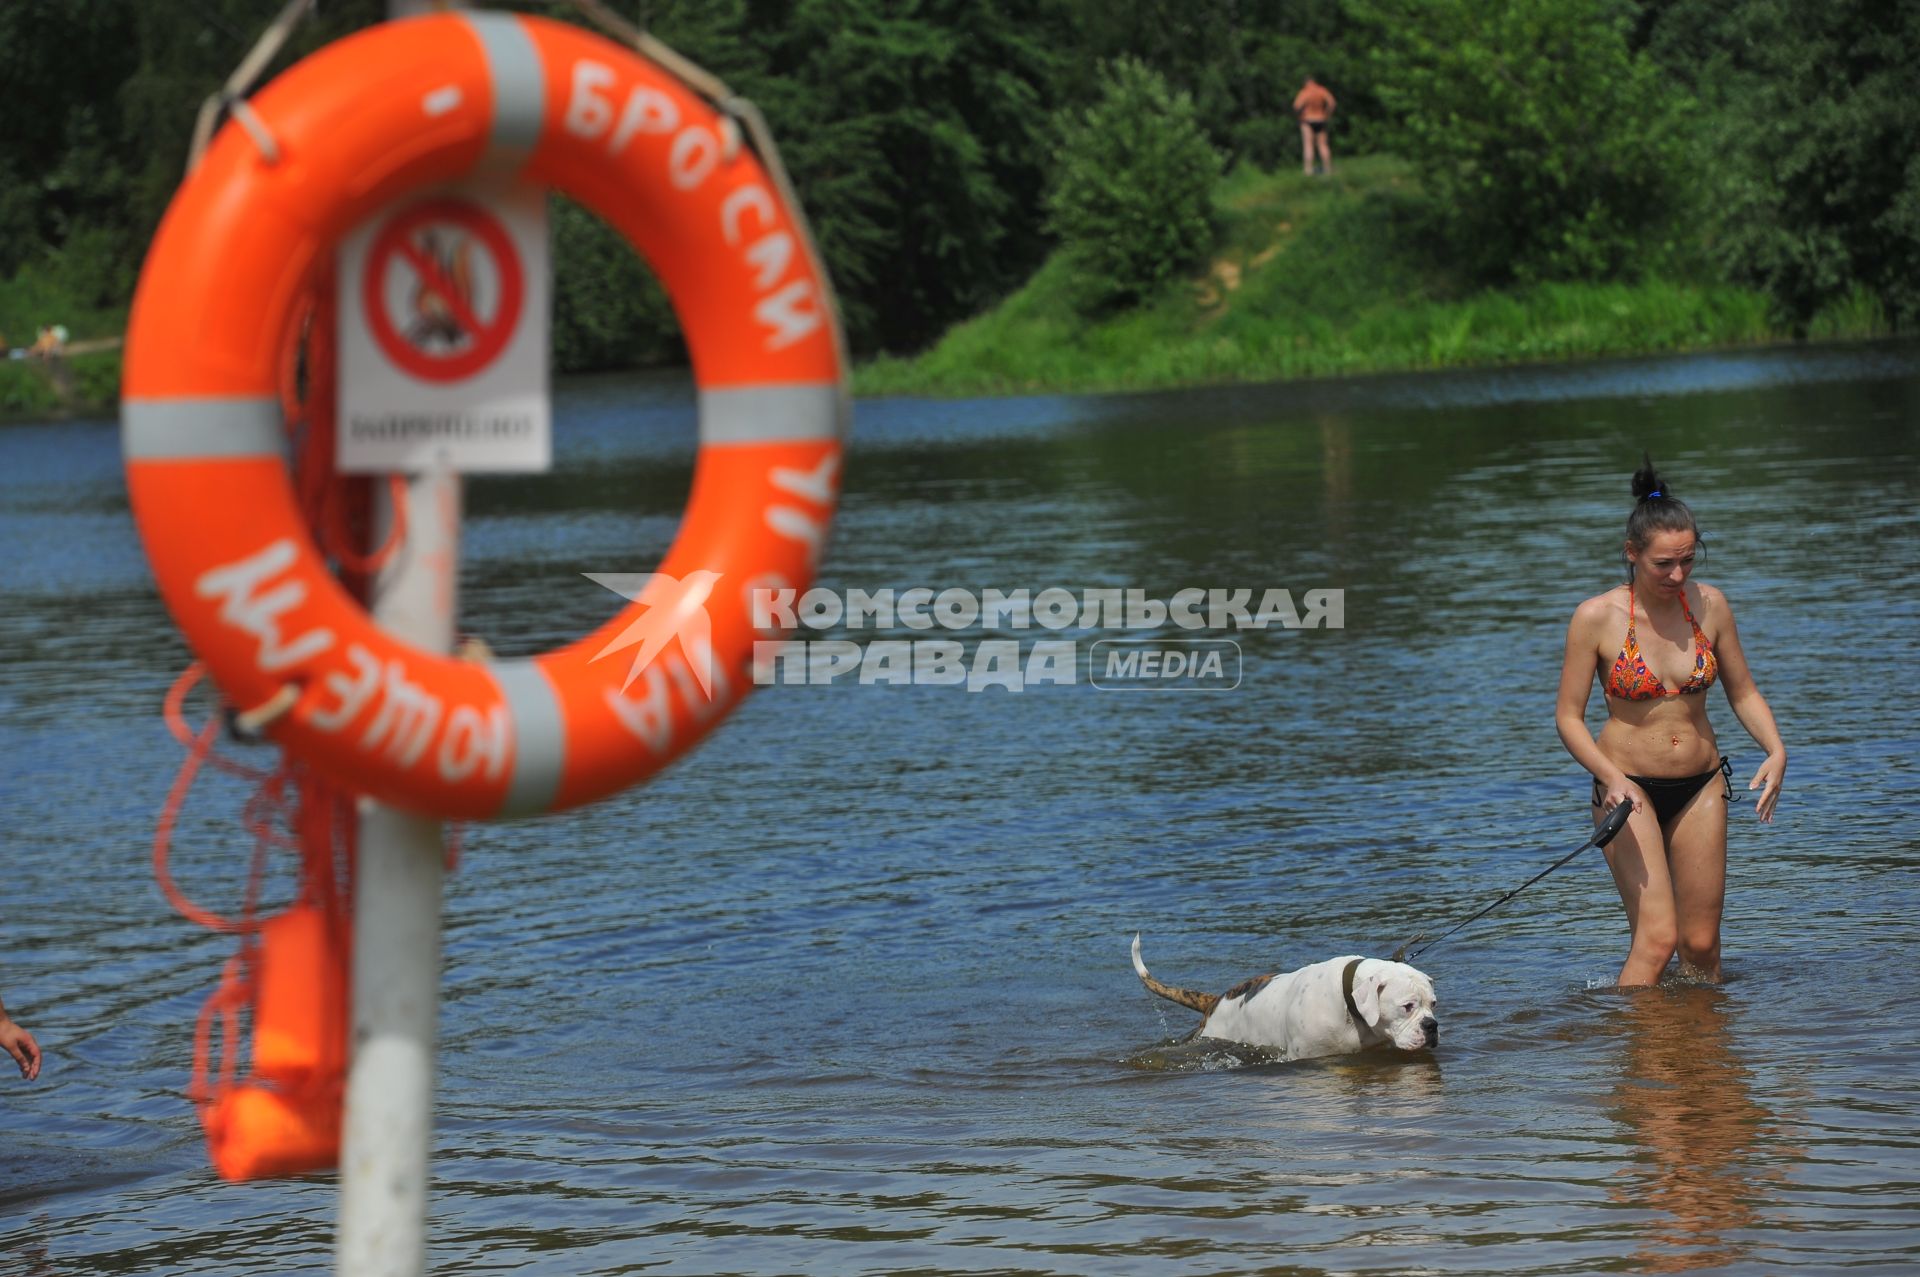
[1772, 774]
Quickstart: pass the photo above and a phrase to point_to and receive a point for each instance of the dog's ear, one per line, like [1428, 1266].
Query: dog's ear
[1366, 997]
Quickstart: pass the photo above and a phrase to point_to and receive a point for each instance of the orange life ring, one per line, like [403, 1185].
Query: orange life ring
[391, 111]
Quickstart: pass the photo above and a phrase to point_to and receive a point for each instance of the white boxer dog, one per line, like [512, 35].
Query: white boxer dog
[1330, 1008]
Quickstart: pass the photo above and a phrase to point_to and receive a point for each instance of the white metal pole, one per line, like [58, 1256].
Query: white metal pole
[387, 1137]
[386, 1141]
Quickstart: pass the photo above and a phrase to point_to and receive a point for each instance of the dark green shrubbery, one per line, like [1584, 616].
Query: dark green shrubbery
[1809, 147]
[608, 309]
[1132, 202]
[1546, 147]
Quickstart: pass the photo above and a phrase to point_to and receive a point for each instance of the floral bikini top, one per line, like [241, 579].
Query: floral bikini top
[1631, 680]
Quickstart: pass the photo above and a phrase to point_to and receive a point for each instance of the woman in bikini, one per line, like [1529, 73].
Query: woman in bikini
[1658, 750]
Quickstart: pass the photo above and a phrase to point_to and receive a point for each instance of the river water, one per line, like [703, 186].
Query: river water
[848, 989]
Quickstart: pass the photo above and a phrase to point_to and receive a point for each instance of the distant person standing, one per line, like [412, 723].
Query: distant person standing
[1314, 106]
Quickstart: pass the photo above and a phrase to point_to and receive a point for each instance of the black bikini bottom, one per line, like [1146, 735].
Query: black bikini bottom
[1670, 793]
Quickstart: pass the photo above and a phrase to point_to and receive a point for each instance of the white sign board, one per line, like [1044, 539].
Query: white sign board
[443, 303]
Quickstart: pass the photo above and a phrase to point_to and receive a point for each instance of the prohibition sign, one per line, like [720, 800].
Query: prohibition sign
[397, 246]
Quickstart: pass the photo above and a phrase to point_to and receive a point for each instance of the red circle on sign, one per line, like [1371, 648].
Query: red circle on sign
[394, 247]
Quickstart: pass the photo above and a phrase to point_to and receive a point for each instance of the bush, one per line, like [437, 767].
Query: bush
[26, 391]
[608, 309]
[1818, 182]
[1133, 201]
[1547, 148]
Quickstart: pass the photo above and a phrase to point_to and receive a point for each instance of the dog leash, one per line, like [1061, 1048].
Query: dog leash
[1603, 834]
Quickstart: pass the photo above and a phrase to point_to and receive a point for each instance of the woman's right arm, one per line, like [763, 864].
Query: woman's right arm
[1570, 710]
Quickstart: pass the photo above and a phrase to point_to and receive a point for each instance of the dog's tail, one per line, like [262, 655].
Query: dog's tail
[1204, 1003]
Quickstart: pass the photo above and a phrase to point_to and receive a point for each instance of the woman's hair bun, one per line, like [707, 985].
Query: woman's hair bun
[1647, 481]
[1656, 509]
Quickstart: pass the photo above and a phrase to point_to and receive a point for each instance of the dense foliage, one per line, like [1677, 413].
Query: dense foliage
[1133, 202]
[1547, 148]
[915, 134]
[1769, 141]
[1811, 143]
[101, 99]
[1241, 60]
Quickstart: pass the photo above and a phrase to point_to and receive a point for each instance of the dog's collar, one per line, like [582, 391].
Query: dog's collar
[1346, 991]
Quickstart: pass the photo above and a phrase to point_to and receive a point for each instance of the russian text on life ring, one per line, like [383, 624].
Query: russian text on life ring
[405, 106]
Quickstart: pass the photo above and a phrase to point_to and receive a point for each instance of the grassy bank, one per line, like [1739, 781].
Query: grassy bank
[1318, 277]
[47, 291]
[1313, 277]
[85, 385]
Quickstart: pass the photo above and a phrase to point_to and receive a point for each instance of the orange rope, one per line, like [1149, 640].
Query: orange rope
[172, 710]
[333, 504]
[234, 992]
[199, 750]
[338, 536]
[290, 808]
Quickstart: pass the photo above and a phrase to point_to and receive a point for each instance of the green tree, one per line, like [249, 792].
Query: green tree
[1812, 144]
[1133, 205]
[102, 98]
[63, 238]
[1546, 148]
[915, 134]
[609, 311]
[1242, 60]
